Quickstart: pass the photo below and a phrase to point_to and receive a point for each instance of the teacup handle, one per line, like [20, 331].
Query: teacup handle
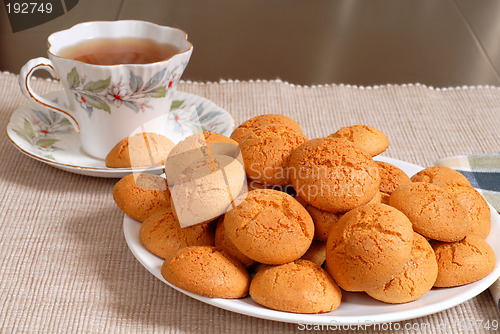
[25, 74]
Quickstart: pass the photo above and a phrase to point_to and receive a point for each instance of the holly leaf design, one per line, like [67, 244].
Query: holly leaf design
[46, 142]
[155, 80]
[176, 104]
[73, 78]
[135, 82]
[132, 105]
[96, 102]
[21, 135]
[209, 116]
[64, 122]
[28, 129]
[41, 116]
[159, 92]
[97, 86]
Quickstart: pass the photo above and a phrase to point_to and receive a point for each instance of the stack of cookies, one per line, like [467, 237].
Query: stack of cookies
[298, 220]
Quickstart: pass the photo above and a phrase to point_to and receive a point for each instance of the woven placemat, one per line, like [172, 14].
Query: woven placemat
[65, 266]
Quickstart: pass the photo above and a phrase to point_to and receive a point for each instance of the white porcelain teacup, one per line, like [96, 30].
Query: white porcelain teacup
[112, 102]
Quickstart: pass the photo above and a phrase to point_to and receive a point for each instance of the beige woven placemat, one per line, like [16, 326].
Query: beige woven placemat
[65, 266]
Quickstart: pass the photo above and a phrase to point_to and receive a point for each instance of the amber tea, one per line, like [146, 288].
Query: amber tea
[109, 51]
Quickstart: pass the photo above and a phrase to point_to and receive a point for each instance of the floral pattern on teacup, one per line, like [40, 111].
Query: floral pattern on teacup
[133, 93]
[41, 130]
[47, 136]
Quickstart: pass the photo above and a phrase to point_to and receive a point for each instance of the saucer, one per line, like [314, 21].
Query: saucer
[46, 136]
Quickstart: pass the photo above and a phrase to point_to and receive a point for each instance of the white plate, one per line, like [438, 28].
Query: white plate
[48, 137]
[355, 308]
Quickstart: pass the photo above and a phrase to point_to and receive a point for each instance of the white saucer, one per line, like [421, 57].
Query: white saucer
[48, 137]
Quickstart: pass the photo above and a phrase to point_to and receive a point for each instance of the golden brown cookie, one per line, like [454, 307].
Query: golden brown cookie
[440, 174]
[370, 139]
[248, 126]
[141, 150]
[377, 199]
[270, 226]
[254, 185]
[416, 278]
[433, 212]
[266, 152]
[333, 174]
[475, 206]
[222, 243]
[139, 195]
[391, 177]
[297, 287]
[323, 220]
[463, 262]
[196, 147]
[162, 235]
[316, 252]
[207, 188]
[368, 246]
[207, 272]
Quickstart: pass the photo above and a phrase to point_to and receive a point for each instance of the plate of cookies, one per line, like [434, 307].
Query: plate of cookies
[310, 231]
[50, 138]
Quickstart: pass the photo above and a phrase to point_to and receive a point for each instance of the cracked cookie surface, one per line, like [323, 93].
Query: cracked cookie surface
[299, 287]
[370, 139]
[253, 123]
[139, 195]
[368, 246]
[434, 212]
[162, 235]
[333, 174]
[416, 278]
[463, 262]
[266, 153]
[270, 227]
[206, 271]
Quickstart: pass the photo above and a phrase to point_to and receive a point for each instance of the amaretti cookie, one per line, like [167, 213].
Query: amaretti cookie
[139, 195]
[434, 212]
[463, 262]
[368, 246]
[391, 177]
[316, 252]
[440, 174]
[298, 287]
[323, 220]
[162, 235]
[333, 174]
[372, 140]
[266, 153]
[196, 147]
[248, 126]
[207, 272]
[416, 278]
[475, 206]
[207, 189]
[141, 150]
[222, 243]
[270, 227]
[253, 185]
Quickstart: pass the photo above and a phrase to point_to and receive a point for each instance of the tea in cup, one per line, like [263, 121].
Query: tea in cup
[119, 78]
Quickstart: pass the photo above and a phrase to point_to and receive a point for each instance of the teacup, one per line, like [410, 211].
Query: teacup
[112, 102]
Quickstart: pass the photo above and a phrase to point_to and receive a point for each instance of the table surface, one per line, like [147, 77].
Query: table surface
[66, 266]
[438, 43]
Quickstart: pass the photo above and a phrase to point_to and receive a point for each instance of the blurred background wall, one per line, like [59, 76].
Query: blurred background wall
[362, 42]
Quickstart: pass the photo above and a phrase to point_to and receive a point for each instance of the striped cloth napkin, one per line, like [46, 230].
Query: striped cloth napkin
[483, 172]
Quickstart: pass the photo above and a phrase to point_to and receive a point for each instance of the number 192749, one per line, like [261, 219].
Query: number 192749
[28, 7]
